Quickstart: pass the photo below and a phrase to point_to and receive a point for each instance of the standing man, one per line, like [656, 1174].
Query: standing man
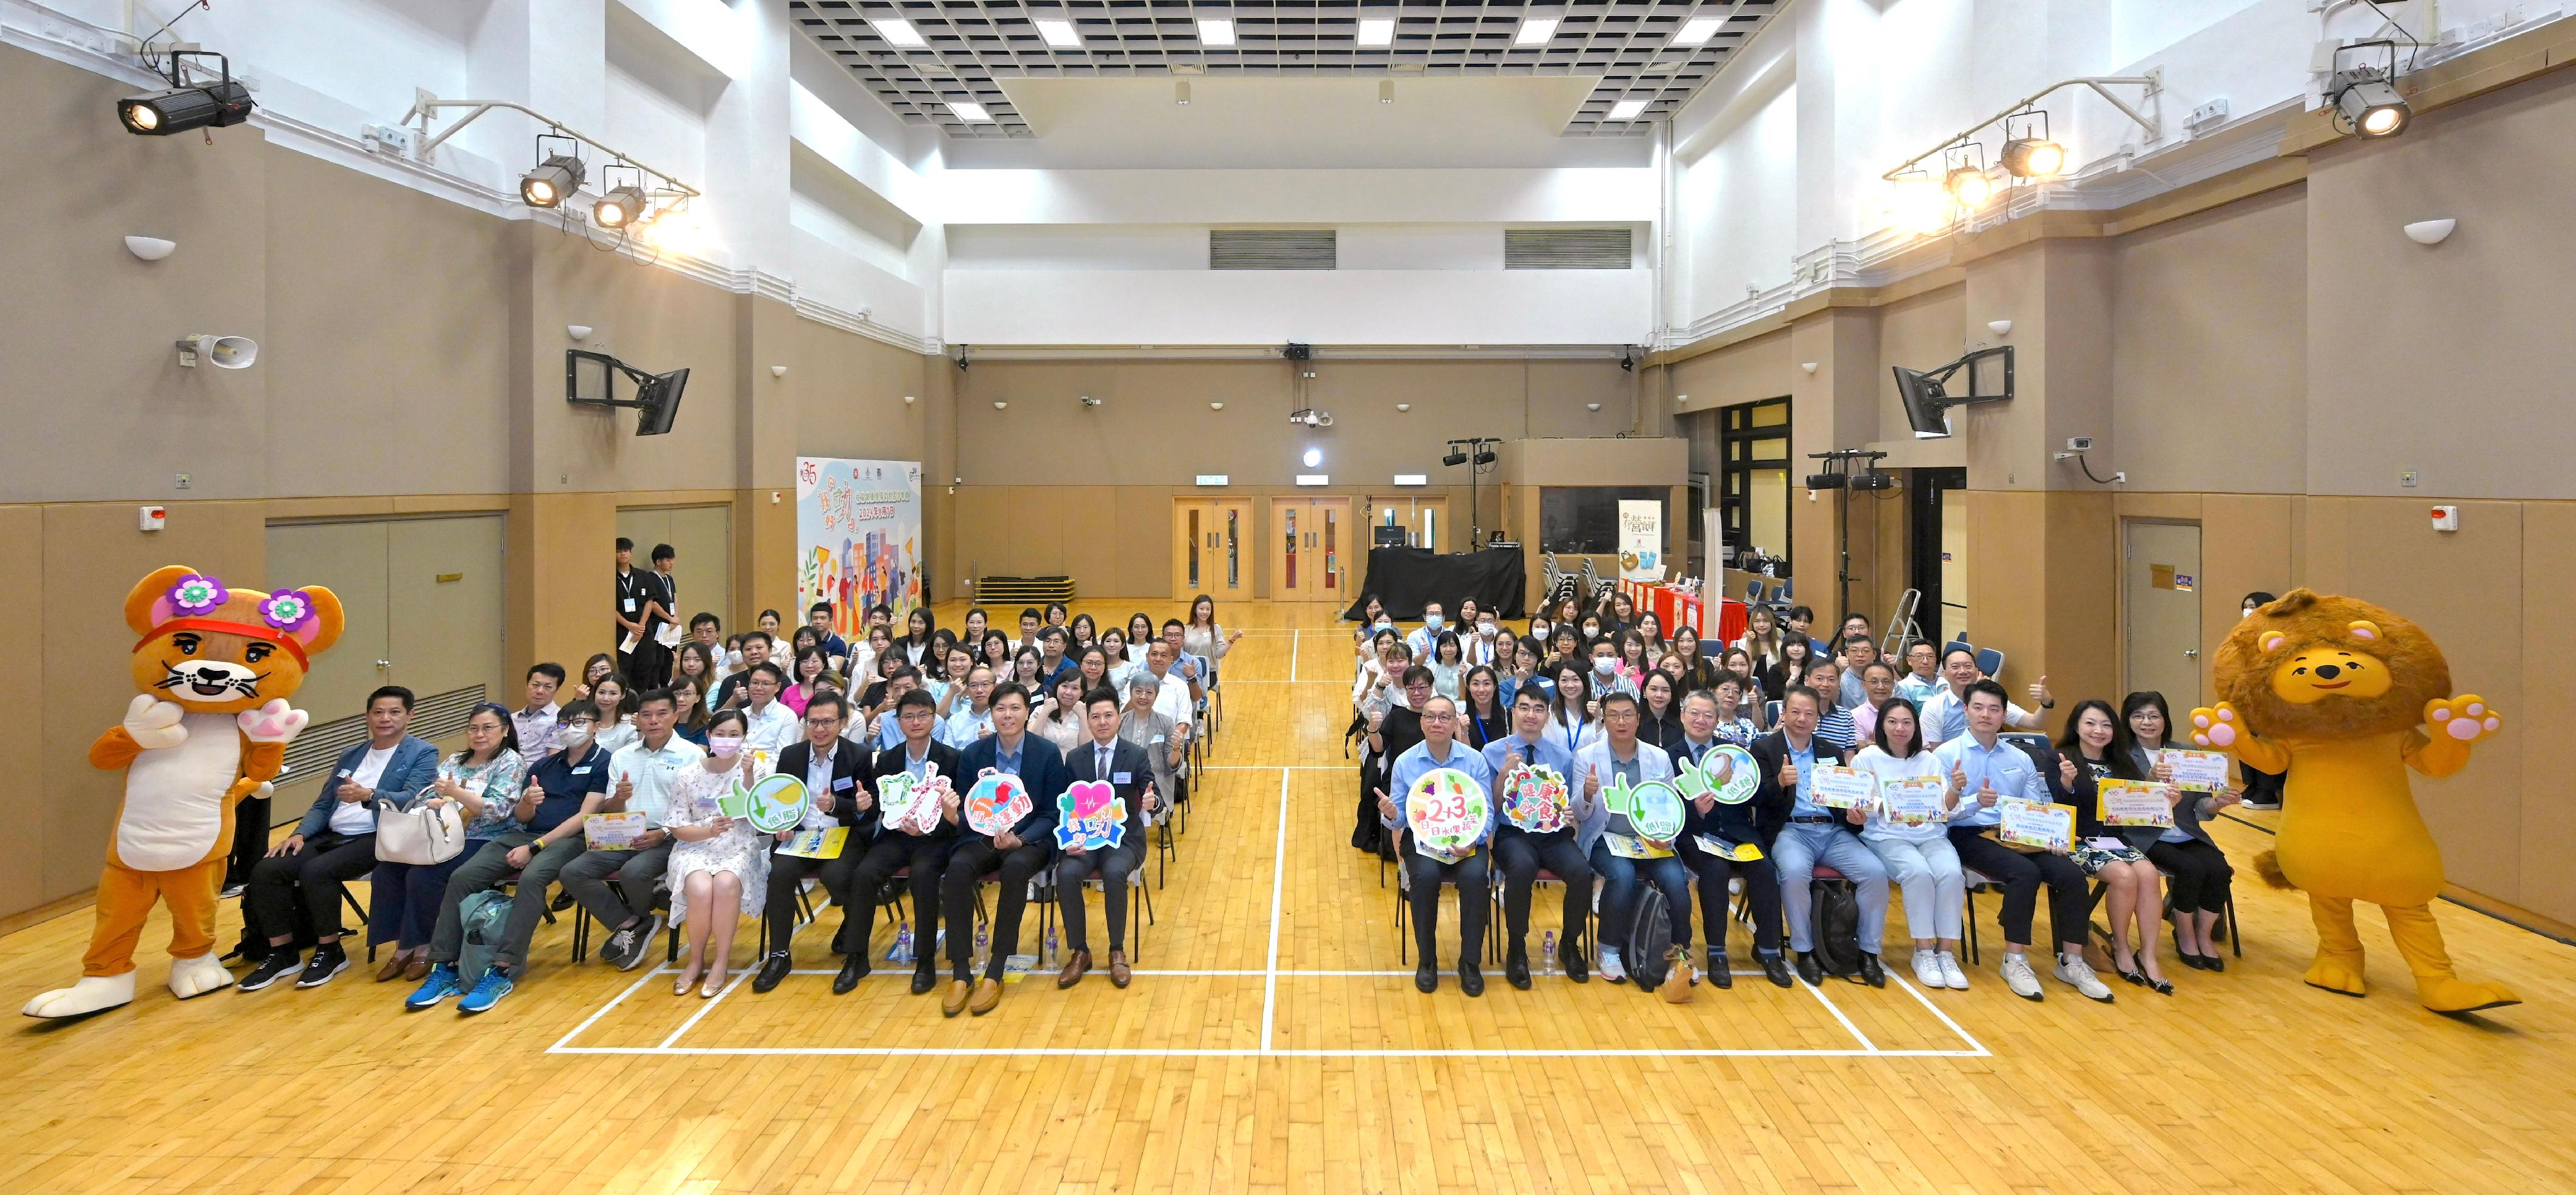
[1921, 679]
[914, 754]
[1724, 826]
[1991, 769]
[1521, 853]
[1815, 834]
[831, 767]
[629, 609]
[1125, 767]
[1017, 853]
[661, 597]
[1438, 749]
[640, 779]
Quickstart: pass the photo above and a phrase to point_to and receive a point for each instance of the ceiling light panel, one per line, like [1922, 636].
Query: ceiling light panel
[911, 55]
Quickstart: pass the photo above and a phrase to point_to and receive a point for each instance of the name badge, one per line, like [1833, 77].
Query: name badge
[583, 770]
[630, 605]
[1122, 777]
[843, 784]
[344, 773]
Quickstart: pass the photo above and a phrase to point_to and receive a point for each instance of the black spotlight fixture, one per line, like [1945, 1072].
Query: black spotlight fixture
[1627, 359]
[2365, 98]
[184, 106]
[556, 177]
[1457, 456]
[2032, 154]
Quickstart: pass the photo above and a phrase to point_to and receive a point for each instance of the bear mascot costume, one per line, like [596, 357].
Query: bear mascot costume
[210, 726]
[2341, 693]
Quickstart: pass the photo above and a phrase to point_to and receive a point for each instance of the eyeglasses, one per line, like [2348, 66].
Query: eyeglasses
[825, 721]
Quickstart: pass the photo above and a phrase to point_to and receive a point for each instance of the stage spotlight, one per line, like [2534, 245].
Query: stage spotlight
[1485, 456]
[179, 108]
[555, 178]
[2369, 103]
[1970, 186]
[1456, 457]
[620, 207]
[2034, 157]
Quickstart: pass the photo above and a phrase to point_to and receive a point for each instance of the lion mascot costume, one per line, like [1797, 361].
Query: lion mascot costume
[2340, 692]
[215, 667]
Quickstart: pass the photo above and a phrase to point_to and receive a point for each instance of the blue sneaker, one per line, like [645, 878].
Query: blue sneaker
[440, 985]
[487, 991]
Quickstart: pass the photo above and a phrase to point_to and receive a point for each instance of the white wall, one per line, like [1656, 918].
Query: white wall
[1353, 307]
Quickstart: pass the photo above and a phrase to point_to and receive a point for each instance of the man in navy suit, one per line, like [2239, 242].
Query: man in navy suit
[1130, 774]
[1017, 853]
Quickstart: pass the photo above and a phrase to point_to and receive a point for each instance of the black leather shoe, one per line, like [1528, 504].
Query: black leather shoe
[2211, 962]
[1570, 957]
[1775, 968]
[1471, 979]
[1720, 971]
[1515, 970]
[773, 971]
[1870, 972]
[1426, 979]
[924, 978]
[853, 969]
[1809, 969]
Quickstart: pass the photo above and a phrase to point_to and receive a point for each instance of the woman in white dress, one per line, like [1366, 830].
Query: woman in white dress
[720, 865]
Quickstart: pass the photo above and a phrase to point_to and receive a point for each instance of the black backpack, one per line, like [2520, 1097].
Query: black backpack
[1836, 926]
[1648, 933]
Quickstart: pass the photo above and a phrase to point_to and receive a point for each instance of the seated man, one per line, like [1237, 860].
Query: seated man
[1521, 853]
[1815, 834]
[536, 724]
[1835, 724]
[836, 650]
[903, 681]
[831, 767]
[641, 776]
[1421, 641]
[768, 724]
[1017, 853]
[1619, 755]
[1174, 702]
[1128, 770]
[755, 652]
[888, 849]
[1750, 823]
[1920, 681]
[562, 787]
[1991, 769]
[1185, 665]
[335, 843]
[972, 717]
[1440, 748]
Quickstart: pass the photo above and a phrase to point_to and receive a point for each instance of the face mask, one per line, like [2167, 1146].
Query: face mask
[1485, 629]
[1605, 665]
[724, 744]
[1430, 622]
[1385, 625]
[571, 738]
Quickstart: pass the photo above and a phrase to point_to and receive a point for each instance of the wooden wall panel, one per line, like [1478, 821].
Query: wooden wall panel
[22, 605]
[2546, 708]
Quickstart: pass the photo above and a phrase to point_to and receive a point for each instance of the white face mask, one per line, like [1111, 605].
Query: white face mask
[1430, 622]
[724, 744]
[1485, 629]
[571, 738]
[1385, 624]
[1605, 665]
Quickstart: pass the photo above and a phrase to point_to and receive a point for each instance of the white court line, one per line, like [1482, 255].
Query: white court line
[1278, 885]
[1296, 639]
[593, 1018]
[704, 1007]
[1925, 1001]
[1863, 1038]
[1237, 1052]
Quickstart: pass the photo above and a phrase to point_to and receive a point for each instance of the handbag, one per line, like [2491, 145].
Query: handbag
[419, 836]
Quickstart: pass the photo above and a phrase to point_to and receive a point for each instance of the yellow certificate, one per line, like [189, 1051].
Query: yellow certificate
[2135, 803]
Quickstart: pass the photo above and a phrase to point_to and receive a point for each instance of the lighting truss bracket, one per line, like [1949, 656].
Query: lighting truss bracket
[2153, 82]
[425, 108]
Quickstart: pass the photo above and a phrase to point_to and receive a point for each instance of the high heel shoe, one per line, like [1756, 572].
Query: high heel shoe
[713, 987]
[2161, 987]
[2129, 972]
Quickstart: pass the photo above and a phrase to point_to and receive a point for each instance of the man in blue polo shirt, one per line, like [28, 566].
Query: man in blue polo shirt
[1993, 770]
[1438, 749]
[1521, 854]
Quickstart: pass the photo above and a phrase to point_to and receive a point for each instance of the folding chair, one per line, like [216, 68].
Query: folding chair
[1495, 924]
[1404, 916]
[349, 898]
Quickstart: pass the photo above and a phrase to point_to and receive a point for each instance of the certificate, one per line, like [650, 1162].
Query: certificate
[2034, 824]
[2197, 771]
[612, 831]
[2136, 803]
[1837, 787]
[1915, 800]
[816, 844]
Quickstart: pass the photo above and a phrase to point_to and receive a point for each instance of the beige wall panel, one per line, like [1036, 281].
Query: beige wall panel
[347, 557]
[2548, 704]
[2209, 356]
[845, 395]
[92, 555]
[2449, 360]
[2429, 577]
[764, 550]
[445, 604]
[388, 350]
[2325, 539]
[22, 605]
[1755, 369]
[562, 588]
[1559, 390]
[2244, 547]
[2082, 557]
[1140, 560]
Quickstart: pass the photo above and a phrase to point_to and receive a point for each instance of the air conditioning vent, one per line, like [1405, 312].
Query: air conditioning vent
[435, 717]
[1566, 248]
[1272, 249]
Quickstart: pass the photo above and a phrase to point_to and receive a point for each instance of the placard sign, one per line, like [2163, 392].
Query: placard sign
[777, 803]
[1641, 540]
[2135, 803]
[1535, 799]
[1446, 809]
[1727, 773]
[1091, 815]
[996, 803]
[912, 804]
[1651, 811]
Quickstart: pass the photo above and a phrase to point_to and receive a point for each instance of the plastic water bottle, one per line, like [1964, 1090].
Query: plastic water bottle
[1050, 944]
[902, 952]
[983, 944]
[1547, 947]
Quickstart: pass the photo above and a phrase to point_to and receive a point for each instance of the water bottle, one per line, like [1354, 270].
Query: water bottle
[1547, 947]
[982, 943]
[902, 952]
[1050, 945]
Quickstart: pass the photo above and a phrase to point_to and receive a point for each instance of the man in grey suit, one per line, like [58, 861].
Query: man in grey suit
[1131, 774]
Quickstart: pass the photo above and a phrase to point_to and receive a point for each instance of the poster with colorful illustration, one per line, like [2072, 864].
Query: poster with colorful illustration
[1651, 811]
[1726, 773]
[909, 804]
[1446, 810]
[1092, 816]
[858, 538]
[997, 802]
[1535, 799]
[774, 804]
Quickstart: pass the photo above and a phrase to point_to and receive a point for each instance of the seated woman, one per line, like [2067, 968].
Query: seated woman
[1696, 673]
[689, 701]
[616, 713]
[1448, 660]
[810, 664]
[1734, 720]
[1060, 719]
[1919, 858]
[592, 671]
[1483, 715]
[483, 780]
[1524, 670]
[1659, 721]
[720, 866]
[2116, 855]
[2201, 875]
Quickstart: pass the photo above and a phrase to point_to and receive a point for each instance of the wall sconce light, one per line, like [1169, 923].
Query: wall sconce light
[908, 399]
[1592, 406]
[999, 405]
[778, 371]
[1809, 366]
[578, 332]
[2000, 327]
[2422, 232]
[150, 248]
[1216, 406]
[1404, 406]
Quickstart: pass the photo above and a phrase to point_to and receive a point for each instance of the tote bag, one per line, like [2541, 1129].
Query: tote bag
[419, 836]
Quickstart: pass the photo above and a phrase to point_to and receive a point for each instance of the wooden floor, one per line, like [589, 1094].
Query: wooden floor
[1272, 1042]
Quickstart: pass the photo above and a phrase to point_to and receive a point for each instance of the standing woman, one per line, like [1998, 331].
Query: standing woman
[616, 713]
[1920, 860]
[1623, 612]
[1650, 634]
[2201, 875]
[1140, 635]
[2115, 854]
[977, 622]
[1659, 713]
[915, 641]
[1113, 643]
[1026, 671]
[483, 780]
[720, 867]
[994, 649]
[1447, 658]
[1574, 717]
[810, 665]
[1634, 663]
[1567, 645]
[1082, 632]
[1203, 637]
[1486, 715]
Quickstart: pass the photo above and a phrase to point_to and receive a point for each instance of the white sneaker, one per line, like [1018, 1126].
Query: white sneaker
[1927, 969]
[1611, 968]
[1951, 975]
[2079, 974]
[2020, 978]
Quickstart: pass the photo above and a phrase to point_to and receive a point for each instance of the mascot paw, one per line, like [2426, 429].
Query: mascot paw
[2466, 717]
[272, 723]
[2442, 993]
[197, 976]
[2216, 726]
[154, 724]
[92, 993]
[2340, 973]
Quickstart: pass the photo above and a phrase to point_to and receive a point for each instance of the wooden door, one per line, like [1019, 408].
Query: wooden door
[1211, 548]
[1311, 549]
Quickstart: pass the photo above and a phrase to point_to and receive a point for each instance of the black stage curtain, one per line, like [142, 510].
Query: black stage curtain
[1405, 578]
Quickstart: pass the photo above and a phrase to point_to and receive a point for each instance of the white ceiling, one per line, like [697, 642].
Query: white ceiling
[1624, 49]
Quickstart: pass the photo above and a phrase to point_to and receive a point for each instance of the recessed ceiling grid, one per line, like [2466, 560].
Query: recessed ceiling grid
[968, 44]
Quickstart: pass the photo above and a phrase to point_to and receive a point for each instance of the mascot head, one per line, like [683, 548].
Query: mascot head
[2315, 666]
[217, 650]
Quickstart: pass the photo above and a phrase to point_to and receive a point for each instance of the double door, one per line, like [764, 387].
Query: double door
[1310, 549]
[1211, 548]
